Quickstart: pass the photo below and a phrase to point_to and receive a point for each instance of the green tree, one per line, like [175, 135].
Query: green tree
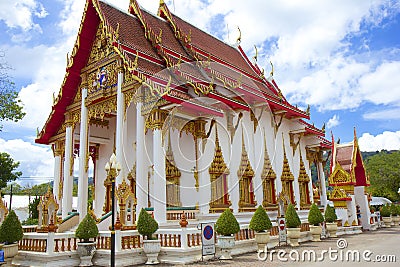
[16, 189]
[384, 171]
[40, 189]
[10, 104]
[8, 169]
[33, 211]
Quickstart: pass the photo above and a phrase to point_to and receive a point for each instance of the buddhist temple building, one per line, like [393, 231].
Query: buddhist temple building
[349, 180]
[194, 122]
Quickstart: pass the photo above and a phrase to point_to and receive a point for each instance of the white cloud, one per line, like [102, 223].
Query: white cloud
[20, 14]
[387, 114]
[35, 160]
[333, 122]
[386, 140]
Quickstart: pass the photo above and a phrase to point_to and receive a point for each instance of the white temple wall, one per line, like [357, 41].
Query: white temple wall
[183, 148]
[105, 151]
[258, 151]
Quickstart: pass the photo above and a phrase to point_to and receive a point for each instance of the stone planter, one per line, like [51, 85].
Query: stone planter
[396, 220]
[86, 251]
[332, 229]
[293, 234]
[152, 248]
[316, 231]
[10, 250]
[262, 239]
[226, 243]
[387, 221]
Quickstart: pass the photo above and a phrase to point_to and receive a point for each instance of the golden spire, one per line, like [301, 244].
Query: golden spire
[171, 171]
[286, 173]
[245, 169]
[218, 165]
[267, 172]
[303, 176]
[239, 39]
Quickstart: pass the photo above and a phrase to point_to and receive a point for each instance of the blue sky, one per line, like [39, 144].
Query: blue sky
[341, 57]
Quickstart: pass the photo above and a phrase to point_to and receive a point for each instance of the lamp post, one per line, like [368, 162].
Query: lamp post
[112, 168]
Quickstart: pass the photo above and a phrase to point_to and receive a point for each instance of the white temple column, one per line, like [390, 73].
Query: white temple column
[83, 153]
[141, 174]
[68, 167]
[57, 150]
[119, 126]
[321, 175]
[159, 198]
[204, 181]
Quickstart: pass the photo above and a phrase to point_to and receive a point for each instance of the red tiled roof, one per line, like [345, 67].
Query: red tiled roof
[136, 44]
[344, 156]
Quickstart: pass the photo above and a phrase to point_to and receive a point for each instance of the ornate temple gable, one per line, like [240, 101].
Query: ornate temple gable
[70, 84]
[340, 177]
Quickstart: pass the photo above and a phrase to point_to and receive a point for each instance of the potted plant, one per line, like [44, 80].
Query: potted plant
[147, 226]
[260, 222]
[10, 233]
[385, 213]
[226, 226]
[315, 219]
[330, 219]
[293, 225]
[394, 212]
[87, 230]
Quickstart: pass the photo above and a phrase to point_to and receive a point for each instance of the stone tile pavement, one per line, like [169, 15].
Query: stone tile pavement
[366, 249]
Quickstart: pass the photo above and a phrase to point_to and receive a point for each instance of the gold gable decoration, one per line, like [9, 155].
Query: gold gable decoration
[245, 174]
[127, 205]
[268, 177]
[47, 208]
[339, 197]
[304, 180]
[339, 176]
[218, 166]
[287, 177]
[218, 177]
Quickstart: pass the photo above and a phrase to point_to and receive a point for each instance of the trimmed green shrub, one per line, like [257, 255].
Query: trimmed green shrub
[292, 218]
[146, 225]
[260, 220]
[87, 229]
[330, 214]
[227, 224]
[385, 211]
[315, 216]
[11, 229]
[393, 209]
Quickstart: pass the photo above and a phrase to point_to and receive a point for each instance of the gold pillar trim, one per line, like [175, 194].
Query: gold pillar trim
[58, 148]
[102, 108]
[303, 180]
[156, 119]
[172, 175]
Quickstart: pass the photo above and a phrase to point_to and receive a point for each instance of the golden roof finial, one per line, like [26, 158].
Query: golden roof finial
[256, 55]
[272, 69]
[239, 39]
[162, 2]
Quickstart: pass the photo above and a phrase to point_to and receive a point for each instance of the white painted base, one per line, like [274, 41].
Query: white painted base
[27, 258]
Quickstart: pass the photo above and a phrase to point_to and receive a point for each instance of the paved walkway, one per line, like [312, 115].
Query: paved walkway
[371, 247]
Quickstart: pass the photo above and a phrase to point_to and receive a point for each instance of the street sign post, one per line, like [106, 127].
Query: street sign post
[207, 239]
[282, 230]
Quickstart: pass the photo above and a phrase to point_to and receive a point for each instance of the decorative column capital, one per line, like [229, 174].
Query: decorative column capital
[155, 120]
[58, 148]
[84, 83]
